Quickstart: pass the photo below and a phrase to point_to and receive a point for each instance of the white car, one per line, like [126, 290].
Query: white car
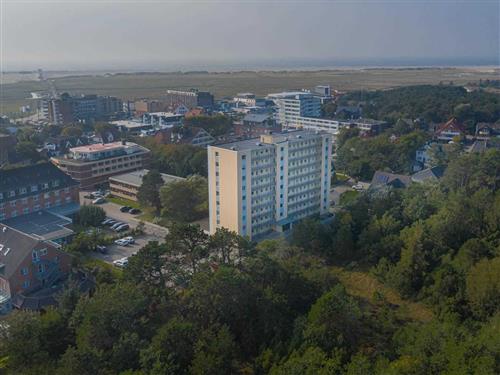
[130, 239]
[99, 200]
[121, 262]
[122, 242]
[357, 187]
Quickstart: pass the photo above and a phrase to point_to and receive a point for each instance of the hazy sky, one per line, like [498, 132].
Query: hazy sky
[94, 34]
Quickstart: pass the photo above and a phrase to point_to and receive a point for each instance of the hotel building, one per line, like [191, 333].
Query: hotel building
[269, 183]
[93, 164]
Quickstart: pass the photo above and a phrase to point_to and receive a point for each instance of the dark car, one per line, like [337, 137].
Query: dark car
[125, 208]
[134, 211]
[102, 249]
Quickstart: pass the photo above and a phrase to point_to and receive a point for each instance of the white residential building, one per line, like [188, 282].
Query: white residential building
[302, 110]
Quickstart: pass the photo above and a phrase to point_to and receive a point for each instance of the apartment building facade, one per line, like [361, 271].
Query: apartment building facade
[67, 109]
[269, 183]
[34, 188]
[190, 99]
[93, 164]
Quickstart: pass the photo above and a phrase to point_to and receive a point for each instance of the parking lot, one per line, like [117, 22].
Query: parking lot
[113, 211]
[117, 252]
[153, 232]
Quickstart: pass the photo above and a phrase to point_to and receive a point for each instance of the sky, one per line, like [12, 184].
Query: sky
[169, 35]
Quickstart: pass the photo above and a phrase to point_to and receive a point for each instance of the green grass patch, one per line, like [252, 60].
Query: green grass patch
[124, 202]
[348, 197]
[339, 178]
[92, 263]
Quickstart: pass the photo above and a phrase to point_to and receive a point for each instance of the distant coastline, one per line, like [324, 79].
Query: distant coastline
[15, 76]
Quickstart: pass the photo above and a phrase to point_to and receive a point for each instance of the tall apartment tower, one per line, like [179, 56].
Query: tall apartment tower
[269, 183]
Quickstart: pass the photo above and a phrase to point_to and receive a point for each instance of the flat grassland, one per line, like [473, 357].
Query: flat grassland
[152, 85]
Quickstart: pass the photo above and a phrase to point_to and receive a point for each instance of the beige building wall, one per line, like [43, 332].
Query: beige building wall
[224, 176]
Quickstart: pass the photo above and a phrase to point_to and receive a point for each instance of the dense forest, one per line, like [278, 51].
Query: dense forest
[431, 103]
[200, 304]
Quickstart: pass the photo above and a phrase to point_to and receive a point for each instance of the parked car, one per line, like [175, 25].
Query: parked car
[357, 187]
[130, 239]
[117, 224]
[99, 200]
[125, 208]
[97, 193]
[121, 262]
[88, 196]
[102, 249]
[121, 242]
[122, 227]
[111, 222]
[107, 221]
[134, 211]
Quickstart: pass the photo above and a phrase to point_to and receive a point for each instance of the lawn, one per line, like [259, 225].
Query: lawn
[124, 202]
[348, 197]
[93, 263]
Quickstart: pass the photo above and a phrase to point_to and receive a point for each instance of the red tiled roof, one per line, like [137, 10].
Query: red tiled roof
[451, 124]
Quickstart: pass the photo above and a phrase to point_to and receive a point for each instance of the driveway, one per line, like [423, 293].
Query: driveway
[336, 191]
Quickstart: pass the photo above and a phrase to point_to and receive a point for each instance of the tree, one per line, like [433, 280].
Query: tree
[185, 200]
[149, 191]
[214, 353]
[171, 349]
[228, 245]
[215, 125]
[148, 268]
[27, 150]
[409, 274]
[312, 361]
[71, 131]
[328, 109]
[483, 287]
[188, 244]
[90, 215]
[345, 134]
[333, 321]
[22, 342]
[108, 326]
[311, 235]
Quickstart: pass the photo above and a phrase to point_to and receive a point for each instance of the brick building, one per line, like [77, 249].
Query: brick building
[27, 264]
[93, 164]
[34, 188]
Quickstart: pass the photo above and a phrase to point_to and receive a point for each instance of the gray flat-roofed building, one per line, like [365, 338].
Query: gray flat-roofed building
[127, 185]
